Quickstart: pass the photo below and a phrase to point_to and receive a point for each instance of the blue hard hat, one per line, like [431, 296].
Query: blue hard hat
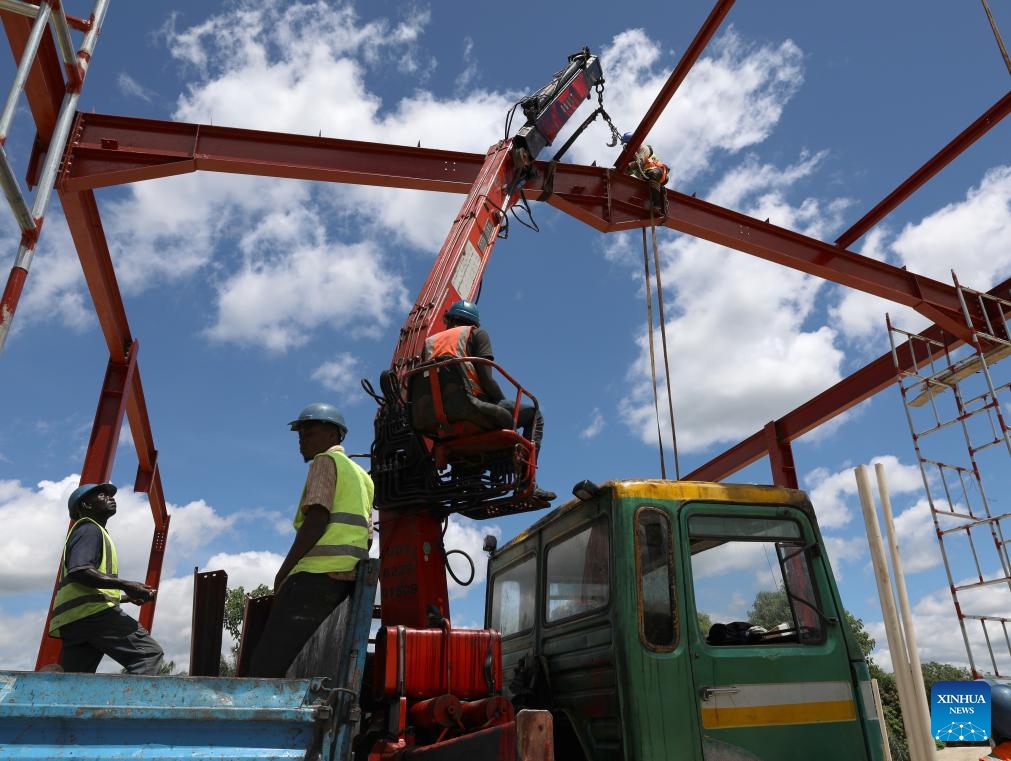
[84, 491]
[1000, 710]
[322, 412]
[625, 138]
[465, 312]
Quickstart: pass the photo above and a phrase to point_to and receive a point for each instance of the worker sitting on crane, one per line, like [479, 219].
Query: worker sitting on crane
[86, 613]
[464, 337]
[646, 165]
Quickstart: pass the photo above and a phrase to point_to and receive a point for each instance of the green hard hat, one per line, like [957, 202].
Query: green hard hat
[83, 492]
[322, 412]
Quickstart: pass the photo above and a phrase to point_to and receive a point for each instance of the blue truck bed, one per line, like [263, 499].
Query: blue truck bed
[46, 715]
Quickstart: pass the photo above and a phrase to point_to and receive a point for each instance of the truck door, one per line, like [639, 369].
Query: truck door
[769, 662]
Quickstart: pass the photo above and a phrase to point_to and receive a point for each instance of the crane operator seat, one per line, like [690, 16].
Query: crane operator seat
[462, 413]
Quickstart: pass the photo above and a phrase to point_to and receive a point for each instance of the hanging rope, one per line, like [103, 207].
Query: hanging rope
[652, 356]
[663, 339]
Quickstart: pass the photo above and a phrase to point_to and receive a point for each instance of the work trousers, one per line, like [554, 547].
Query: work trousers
[111, 632]
[304, 602]
[530, 420]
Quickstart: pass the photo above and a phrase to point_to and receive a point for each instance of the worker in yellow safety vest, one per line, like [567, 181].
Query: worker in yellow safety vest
[333, 525]
[86, 613]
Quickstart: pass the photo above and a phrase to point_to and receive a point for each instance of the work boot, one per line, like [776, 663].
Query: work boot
[542, 495]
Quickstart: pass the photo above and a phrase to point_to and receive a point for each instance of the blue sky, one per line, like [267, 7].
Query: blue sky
[252, 297]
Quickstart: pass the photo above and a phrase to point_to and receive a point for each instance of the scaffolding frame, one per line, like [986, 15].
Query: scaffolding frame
[954, 405]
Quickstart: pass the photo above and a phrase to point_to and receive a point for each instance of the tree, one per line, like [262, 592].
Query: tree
[942, 672]
[235, 608]
[705, 622]
[770, 609]
[864, 640]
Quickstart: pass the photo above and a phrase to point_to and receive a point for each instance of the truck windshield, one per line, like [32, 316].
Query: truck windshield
[513, 607]
[752, 581]
[578, 573]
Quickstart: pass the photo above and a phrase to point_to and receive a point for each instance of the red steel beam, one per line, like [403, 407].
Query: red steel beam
[98, 460]
[45, 86]
[784, 472]
[990, 118]
[611, 201]
[112, 150]
[691, 55]
[105, 150]
[85, 226]
[847, 393]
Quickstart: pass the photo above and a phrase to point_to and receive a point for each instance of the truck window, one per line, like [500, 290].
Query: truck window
[578, 573]
[658, 622]
[513, 604]
[752, 581]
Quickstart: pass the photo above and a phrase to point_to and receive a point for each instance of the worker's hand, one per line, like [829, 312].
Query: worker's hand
[138, 593]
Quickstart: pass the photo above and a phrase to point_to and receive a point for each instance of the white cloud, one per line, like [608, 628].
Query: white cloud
[19, 638]
[341, 375]
[732, 100]
[844, 551]
[467, 536]
[279, 302]
[743, 346]
[132, 88]
[29, 558]
[834, 494]
[939, 636]
[596, 425]
[968, 236]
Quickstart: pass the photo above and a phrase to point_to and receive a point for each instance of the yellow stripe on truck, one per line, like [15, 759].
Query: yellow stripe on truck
[794, 713]
[757, 705]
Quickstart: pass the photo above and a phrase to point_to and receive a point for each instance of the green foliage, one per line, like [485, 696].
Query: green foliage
[770, 609]
[705, 622]
[864, 640]
[235, 608]
[942, 672]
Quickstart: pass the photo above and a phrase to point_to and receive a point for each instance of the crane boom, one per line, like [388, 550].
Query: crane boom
[456, 273]
[413, 493]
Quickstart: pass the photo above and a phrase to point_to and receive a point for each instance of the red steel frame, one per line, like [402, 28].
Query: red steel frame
[104, 151]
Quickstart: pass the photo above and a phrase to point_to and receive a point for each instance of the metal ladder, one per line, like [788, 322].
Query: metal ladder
[49, 14]
[957, 405]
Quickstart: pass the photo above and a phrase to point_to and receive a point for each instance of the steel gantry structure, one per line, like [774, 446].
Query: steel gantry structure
[97, 151]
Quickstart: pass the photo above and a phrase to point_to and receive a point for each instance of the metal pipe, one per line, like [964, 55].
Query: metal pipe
[62, 31]
[24, 66]
[47, 177]
[12, 191]
[919, 689]
[22, 8]
[893, 630]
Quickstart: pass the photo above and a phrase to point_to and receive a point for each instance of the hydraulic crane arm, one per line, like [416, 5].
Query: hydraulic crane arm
[456, 273]
[414, 492]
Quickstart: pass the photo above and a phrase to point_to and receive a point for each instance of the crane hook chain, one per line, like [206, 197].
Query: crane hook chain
[615, 135]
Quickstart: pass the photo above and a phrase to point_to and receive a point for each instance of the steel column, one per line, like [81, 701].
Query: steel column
[98, 460]
[784, 472]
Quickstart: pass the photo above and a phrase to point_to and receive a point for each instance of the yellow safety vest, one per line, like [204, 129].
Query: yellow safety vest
[346, 539]
[75, 601]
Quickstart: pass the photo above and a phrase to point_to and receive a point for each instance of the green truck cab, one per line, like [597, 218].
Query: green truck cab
[625, 614]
